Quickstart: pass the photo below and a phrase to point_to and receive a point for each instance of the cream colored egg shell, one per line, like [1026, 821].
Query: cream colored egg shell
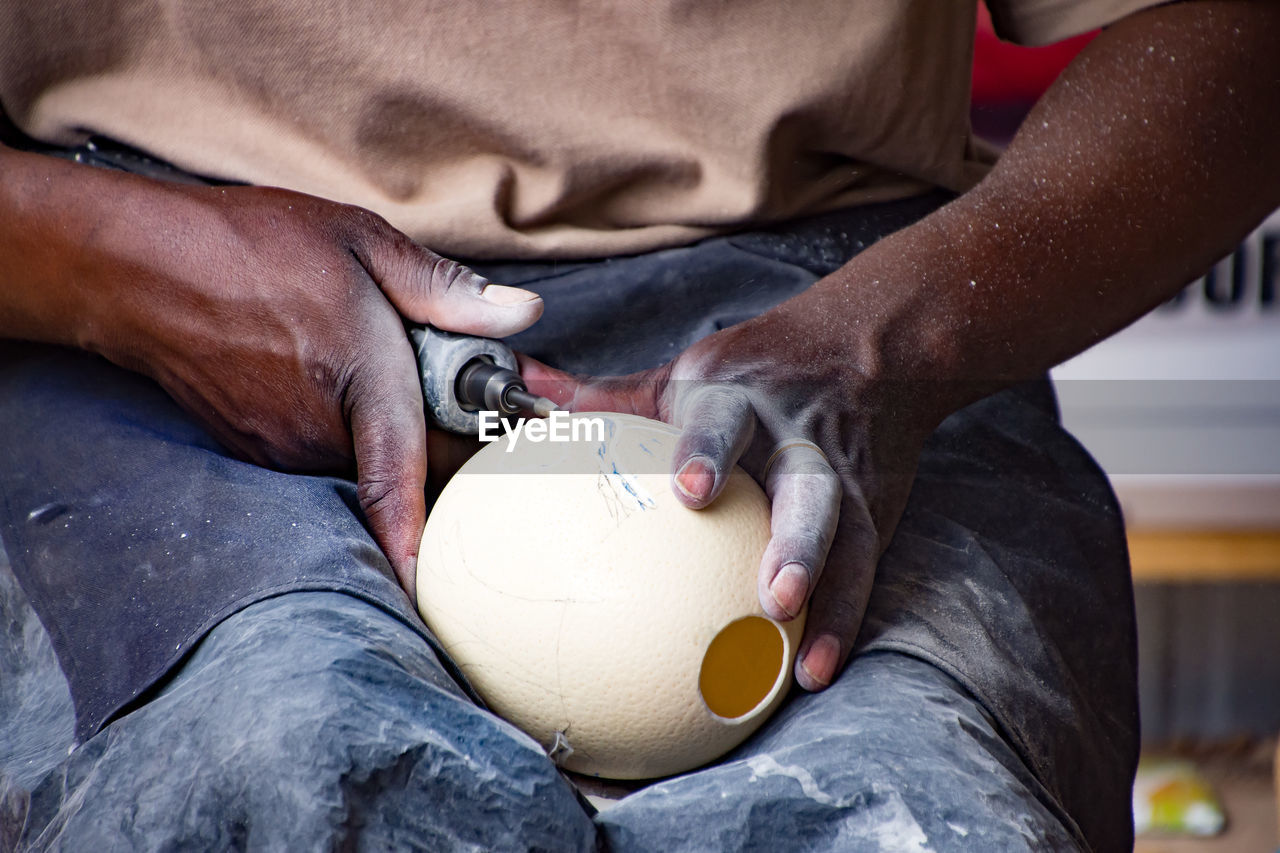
[579, 596]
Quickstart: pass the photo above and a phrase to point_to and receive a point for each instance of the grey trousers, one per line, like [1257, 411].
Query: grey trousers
[197, 653]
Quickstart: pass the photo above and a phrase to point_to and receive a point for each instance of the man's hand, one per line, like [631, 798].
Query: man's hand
[834, 445]
[1150, 157]
[271, 316]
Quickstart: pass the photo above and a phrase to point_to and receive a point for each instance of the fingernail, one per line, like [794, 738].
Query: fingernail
[501, 294]
[820, 662]
[789, 587]
[696, 478]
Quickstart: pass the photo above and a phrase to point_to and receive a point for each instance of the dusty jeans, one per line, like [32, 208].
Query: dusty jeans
[246, 674]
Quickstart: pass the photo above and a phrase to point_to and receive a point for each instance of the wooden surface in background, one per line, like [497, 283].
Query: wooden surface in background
[1242, 779]
[1204, 556]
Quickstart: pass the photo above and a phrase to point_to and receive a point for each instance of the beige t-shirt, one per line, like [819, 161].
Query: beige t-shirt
[532, 128]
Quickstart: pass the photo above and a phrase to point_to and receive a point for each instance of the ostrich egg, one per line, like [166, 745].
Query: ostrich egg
[592, 609]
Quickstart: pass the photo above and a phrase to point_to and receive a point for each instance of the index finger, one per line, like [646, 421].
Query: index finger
[388, 428]
[717, 424]
[633, 394]
[806, 494]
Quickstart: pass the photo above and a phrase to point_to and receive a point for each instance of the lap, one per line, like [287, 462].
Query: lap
[1009, 572]
[133, 532]
[994, 680]
[1006, 581]
[322, 707]
[303, 722]
[894, 755]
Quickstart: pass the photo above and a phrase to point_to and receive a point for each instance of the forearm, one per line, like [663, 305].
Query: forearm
[55, 219]
[128, 267]
[1152, 155]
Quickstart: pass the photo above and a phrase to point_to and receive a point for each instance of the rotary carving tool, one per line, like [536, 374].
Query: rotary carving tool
[462, 374]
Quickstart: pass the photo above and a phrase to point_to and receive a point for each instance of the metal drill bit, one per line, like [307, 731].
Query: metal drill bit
[540, 406]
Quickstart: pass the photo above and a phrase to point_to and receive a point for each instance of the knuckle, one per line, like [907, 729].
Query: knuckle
[380, 494]
[807, 545]
[811, 485]
[828, 486]
[706, 441]
[355, 373]
[374, 492]
[362, 221]
[445, 275]
[705, 404]
[817, 473]
[717, 423]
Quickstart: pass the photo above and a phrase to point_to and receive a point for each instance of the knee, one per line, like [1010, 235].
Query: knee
[315, 718]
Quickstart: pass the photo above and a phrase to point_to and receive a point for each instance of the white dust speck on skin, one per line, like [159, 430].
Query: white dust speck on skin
[958, 830]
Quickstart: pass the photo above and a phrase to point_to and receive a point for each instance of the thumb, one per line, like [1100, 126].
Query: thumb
[428, 288]
[388, 429]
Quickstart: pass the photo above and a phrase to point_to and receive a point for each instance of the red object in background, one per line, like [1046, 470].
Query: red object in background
[1005, 73]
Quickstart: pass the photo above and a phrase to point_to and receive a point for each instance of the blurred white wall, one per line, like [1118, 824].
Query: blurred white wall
[1182, 409]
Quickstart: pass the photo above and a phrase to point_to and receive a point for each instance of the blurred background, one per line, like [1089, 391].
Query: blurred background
[1182, 410]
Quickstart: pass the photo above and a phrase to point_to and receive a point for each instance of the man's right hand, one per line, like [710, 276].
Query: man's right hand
[271, 316]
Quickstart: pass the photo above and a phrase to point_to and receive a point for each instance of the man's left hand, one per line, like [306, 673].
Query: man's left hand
[834, 447]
